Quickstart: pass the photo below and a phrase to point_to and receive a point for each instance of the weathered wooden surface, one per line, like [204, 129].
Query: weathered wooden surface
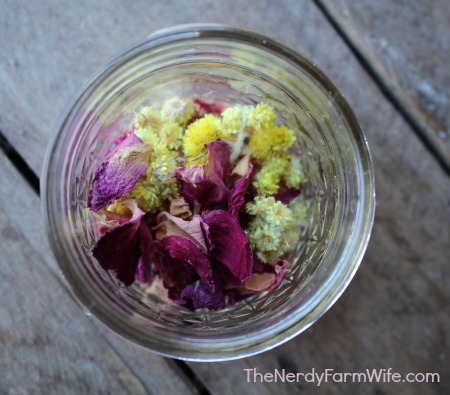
[395, 312]
[407, 44]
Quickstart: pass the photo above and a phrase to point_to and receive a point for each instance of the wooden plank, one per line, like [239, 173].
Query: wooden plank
[407, 47]
[47, 344]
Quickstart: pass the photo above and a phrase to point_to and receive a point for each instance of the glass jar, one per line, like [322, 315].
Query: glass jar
[232, 65]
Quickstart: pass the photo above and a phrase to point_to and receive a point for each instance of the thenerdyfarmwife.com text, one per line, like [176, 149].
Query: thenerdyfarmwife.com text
[330, 375]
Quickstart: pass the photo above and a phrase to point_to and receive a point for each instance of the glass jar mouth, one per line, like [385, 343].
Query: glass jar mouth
[105, 300]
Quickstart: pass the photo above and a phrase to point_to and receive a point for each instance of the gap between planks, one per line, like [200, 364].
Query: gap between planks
[429, 141]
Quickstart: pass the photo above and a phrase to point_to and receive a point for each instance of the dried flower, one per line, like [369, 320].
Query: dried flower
[272, 222]
[179, 110]
[119, 172]
[198, 134]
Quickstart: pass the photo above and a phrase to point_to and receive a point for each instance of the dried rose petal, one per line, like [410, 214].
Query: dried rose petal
[237, 193]
[285, 195]
[231, 246]
[143, 269]
[198, 295]
[281, 269]
[242, 167]
[259, 281]
[180, 208]
[120, 139]
[265, 279]
[175, 273]
[184, 249]
[118, 174]
[201, 297]
[195, 230]
[109, 219]
[203, 185]
[121, 248]
[203, 107]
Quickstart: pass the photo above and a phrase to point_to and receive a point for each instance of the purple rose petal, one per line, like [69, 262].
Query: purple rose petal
[121, 248]
[184, 249]
[203, 185]
[118, 174]
[231, 246]
[174, 273]
[143, 270]
[198, 295]
[237, 193]
[285, 195]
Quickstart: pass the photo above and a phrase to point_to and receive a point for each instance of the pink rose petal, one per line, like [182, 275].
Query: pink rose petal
[203, 107]
[119, 172]
[194, 229]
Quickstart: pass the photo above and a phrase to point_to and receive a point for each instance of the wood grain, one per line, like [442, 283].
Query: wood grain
[47, 344]
[407, 45]
[395, 312]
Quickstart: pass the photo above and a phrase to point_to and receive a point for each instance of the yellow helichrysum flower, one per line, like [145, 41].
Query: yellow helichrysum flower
[268, 182]
[269, 228]
[276, 168]
[259, 145]
[280, 137]
[234, 119]
[166, 121]
[199, 133]
[171, 134]
[178, 109]
[261, 116]
[271, 139]
[149, 118]
[294, 176]
[156, 187]
[269, 177]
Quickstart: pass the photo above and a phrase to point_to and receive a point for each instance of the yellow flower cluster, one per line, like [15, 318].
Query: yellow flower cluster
[164, 129]
[178, 109]
[270, 140]
[261, 117]
[235, 118]
[275, 169]
[161, 127]
[269, 143]
[266, 141]
[156, 187]
[269, 177]
[270, 228]
[167, 121]
[199, 133]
